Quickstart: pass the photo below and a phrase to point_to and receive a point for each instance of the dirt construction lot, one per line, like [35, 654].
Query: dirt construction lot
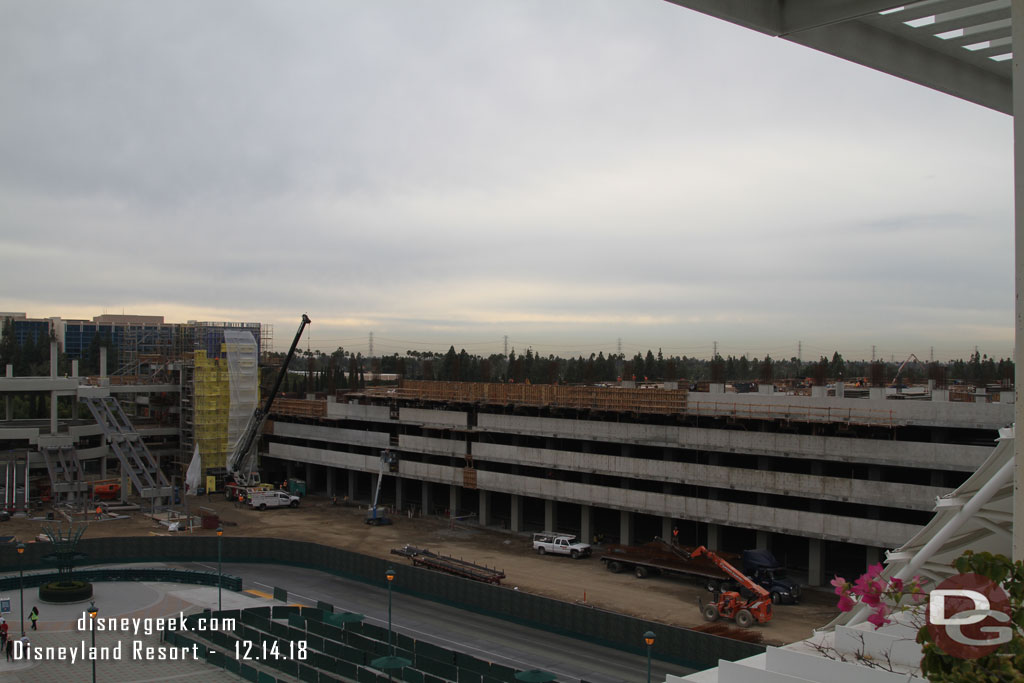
[661, 599]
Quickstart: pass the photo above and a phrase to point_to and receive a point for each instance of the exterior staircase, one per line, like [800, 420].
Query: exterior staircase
[67, 485]
[135, 458]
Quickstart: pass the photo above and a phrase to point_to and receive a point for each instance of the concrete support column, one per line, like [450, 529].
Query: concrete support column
[398, 495]
[763, 540]
[454, 500]
[666, 528]
[103, 468]
[485, 507]
[332, 474]
[351, 476]
[309, 477]
[586, 525]
[7, 398]
[549, 516]
[714, 540]
[815, 563]
[74, 401]
[425, 499]
[872, 556]
[625, 527]
[516, 513]
[1017, 16]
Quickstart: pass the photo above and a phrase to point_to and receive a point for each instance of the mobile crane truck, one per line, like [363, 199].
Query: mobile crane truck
[241, 463]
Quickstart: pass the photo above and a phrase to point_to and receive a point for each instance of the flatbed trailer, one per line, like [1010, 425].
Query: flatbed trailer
[422, 557]
[660, 557]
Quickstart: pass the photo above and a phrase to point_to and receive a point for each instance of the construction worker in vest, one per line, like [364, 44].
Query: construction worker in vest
[675, 535]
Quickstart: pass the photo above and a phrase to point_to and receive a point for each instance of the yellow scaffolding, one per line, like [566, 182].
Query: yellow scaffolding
[212, 401]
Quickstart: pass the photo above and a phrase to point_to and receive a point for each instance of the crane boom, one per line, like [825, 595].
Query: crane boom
[736, 575]
[240, 462]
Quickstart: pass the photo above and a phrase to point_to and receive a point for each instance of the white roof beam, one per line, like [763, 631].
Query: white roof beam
[854, 30]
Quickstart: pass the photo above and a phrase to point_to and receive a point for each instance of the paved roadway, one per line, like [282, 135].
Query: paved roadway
[484, 637]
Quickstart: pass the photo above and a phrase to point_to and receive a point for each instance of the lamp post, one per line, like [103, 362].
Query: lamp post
[220, 574]
[390, 576]
[92, 627]
[649, 640]
[391, 662]
[21, 584]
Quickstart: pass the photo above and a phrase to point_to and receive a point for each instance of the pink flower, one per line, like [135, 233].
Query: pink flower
[897, 584]
[842, 586]
[846, 603]
[878, 618]
[868, 585]
[874, 570]
[871, 599]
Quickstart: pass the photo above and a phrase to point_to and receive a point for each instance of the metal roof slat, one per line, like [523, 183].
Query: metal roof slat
[978, 34]
[935, 8]
[883, 42]
[965, 21]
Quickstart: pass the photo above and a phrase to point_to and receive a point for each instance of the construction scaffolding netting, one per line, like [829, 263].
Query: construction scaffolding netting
[243, 373]
[226, 393]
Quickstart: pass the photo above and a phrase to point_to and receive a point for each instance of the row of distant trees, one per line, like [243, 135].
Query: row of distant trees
[317, 371]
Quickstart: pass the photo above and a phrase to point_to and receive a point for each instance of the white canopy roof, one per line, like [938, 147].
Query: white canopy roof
[959, 47]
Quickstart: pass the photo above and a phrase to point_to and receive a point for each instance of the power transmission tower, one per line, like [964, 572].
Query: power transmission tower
[506, 346]
[371, 345]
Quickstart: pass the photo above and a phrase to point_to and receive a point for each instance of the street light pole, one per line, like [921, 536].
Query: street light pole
[21, 584]
[390, 576]
[220, 574]
[92, 627]
[649, 640]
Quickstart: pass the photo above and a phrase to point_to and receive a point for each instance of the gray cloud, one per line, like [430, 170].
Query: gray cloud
[561, 172]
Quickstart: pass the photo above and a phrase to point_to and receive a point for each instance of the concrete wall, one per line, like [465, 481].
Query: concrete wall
[434, 418]
[801, 523]
[831, 448]
[356, 437]
[925, 413]
[918, 497]
[354, 411]
[421, 444]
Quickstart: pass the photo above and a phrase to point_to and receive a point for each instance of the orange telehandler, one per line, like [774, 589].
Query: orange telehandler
[733, 604]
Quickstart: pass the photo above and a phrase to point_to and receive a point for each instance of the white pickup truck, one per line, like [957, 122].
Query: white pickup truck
[272, 499]
[559, 544]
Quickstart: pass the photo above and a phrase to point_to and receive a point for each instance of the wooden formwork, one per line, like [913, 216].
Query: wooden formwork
[299, 407]
[614, 399]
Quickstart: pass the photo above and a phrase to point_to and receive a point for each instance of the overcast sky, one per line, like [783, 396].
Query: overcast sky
[568, 173]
